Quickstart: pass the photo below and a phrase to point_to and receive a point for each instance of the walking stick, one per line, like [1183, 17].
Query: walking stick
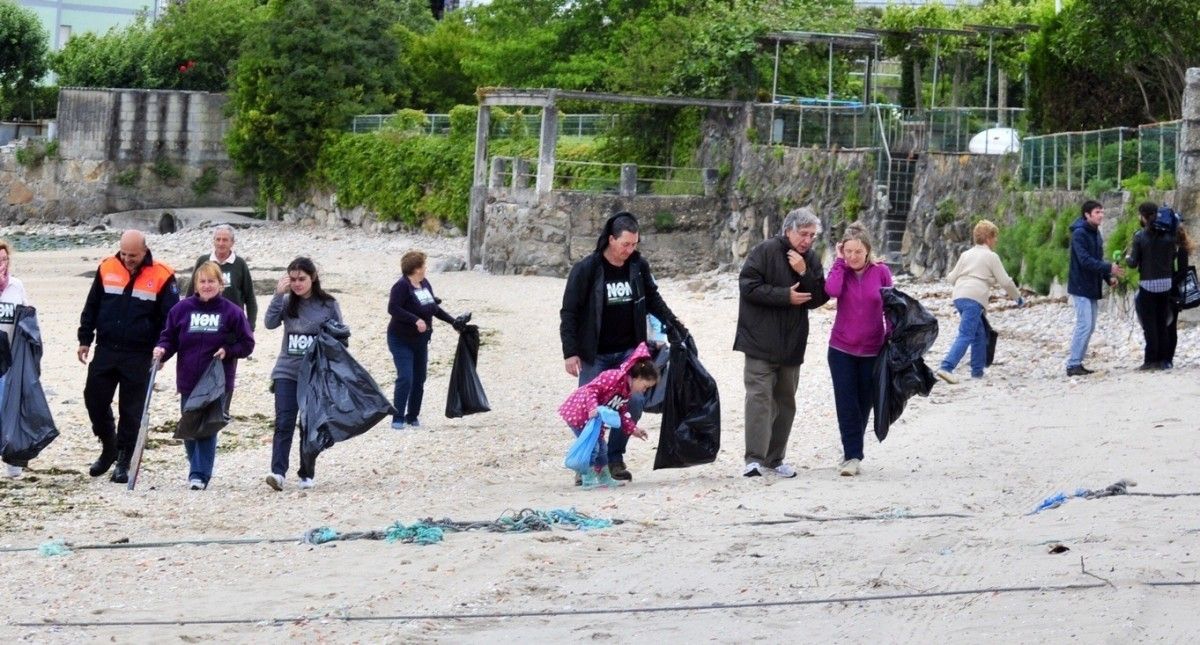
[135, 463]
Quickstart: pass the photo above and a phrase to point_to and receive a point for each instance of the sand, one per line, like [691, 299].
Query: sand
[693, 547]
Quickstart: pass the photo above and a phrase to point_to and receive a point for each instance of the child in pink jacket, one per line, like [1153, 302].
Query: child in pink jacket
[611, 388]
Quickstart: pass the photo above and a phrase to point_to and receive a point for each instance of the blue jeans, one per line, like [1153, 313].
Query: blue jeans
[589, 371]
[1085, 324]
[411, 358]
[287, 408]
[970, 334]
[853, 394]
[201, 453]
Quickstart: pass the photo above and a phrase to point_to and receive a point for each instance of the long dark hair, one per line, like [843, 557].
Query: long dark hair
[306, 265]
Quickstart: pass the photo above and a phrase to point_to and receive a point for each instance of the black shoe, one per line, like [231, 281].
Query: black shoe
[120, 474]
[620, 472]
[578, 479]
[105, 461]
[1078, 370]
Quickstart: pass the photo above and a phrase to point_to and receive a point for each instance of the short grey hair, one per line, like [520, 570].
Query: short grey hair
[224, 228]
[799, 218]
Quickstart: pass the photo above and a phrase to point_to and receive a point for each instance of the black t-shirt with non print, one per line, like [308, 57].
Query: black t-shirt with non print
[616, 324]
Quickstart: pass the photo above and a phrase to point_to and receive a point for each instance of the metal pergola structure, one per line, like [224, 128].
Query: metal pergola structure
[851, 42]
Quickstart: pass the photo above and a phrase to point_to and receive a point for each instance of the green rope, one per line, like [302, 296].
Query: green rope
[53, 548]
[320, 535]
[418, 532]
[430, 531]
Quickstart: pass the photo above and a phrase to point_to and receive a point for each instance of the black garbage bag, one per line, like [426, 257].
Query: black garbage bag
[337, 397]
[901, 371]
[656, 395]
[691, 421]
[992, 337]
[204, 409]
[26, 426]
[466, 395]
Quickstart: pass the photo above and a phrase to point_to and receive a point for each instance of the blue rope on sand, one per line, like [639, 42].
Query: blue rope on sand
[430, 531]
[53, 548]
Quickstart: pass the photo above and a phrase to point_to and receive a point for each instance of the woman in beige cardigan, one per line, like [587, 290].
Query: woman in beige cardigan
[978, 269]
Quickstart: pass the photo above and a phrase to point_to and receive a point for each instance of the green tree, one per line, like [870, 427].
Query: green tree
[115, 58]
[314, 64]
[194, 44]
[22, 51]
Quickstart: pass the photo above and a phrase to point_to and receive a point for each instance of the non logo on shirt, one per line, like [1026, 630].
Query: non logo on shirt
[298, 344]
[8, 313]
[202, 323]
[424, 297]
[617, 401]
[619, 292]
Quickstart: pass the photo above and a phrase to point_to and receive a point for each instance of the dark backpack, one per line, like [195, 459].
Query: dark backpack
[1167, 220]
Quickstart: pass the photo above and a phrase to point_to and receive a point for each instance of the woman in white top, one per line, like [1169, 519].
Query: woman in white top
[12, 293]
[978, 269]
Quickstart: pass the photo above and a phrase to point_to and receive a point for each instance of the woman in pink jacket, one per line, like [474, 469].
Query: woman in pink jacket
[611, 388]
[857, 336]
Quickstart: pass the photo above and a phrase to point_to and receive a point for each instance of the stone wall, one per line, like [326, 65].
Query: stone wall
[125, 150]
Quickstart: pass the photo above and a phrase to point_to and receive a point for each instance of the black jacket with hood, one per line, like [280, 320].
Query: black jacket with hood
[769, 327]
[583, 301]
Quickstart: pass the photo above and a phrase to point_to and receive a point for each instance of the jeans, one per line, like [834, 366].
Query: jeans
[411, 358]
[853, 394]
[970, 334]
[286, 411]
[600, 451]
[589, 371]
[1155, 314]
[1085, 324]
[201, 453]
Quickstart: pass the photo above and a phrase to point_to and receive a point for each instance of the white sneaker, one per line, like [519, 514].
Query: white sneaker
[849, 468]
[753, 469]
[195, 484]
[947, 377]
[306, 482]
[275, 481]
[785, 470]
[13, 471]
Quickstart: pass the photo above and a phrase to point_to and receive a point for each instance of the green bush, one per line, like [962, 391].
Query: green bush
[32, 155]
[128, 178]
[1165, 181]
[1035, 250]
[207, 180]
[166, 171]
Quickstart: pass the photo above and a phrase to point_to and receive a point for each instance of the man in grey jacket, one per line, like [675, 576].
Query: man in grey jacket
[780, 281]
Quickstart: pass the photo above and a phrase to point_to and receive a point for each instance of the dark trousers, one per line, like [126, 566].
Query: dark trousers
[110, 368]
[853, 391]
[1154, 312]
[286, 410]
[1172, 335]
[411, 358]
[588, 371]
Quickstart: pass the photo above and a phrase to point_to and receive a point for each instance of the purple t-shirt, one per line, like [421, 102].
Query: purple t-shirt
[195, 330]
[858, 327]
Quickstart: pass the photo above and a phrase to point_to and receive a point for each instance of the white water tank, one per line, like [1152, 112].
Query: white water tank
[995, 141]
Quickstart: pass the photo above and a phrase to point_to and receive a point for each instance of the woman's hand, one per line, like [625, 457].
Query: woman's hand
[283, 285]
[640, 434]
[220, 354]
[421, 326]
[839, 252]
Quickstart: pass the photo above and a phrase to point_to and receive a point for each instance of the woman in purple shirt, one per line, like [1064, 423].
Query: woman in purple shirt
[413, 308]
[857, 336]
[200, 328]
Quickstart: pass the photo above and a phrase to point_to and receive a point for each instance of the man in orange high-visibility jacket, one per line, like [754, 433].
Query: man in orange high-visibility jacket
[125, 312]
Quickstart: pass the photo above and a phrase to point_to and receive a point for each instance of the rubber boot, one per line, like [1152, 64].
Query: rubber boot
[120, 473]
[605, 478]
[590, 479]
[108, 455]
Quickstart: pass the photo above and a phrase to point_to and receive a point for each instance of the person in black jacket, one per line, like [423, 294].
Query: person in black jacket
[1153, 255]
[125, 312]
[780, 281]
[603, 316]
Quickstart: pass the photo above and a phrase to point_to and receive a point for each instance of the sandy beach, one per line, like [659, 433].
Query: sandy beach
[703, 554]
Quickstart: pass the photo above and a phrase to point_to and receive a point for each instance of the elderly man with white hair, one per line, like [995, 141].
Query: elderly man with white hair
[239, 287]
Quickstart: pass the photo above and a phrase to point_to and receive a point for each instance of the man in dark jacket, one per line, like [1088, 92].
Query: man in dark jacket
[780, 281]
[239, 286]
[1085, 281]
[125, 313]
[603, 316]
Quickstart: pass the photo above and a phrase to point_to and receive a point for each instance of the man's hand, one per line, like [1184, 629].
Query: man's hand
[572, 365]
[421, 327]
[797, 262]
[82, 353]
[1117, 271]
[158, 353]
[798, 297]
[640, 434]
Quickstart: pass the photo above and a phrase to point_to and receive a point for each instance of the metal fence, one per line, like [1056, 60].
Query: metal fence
[1099, 159]
[579, 125]
[805, 126]
[593, 176]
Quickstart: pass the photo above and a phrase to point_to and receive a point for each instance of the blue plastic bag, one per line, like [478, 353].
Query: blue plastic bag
[579, 455]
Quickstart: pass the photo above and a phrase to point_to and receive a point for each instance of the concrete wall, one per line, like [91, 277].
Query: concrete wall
[125, 150]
